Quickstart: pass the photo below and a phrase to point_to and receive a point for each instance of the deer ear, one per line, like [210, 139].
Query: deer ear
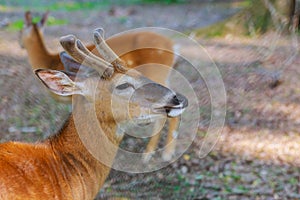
[43, 20]
[58, 82]
[28, 18]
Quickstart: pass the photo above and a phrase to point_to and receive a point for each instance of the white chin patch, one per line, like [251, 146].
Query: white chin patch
[175, 112]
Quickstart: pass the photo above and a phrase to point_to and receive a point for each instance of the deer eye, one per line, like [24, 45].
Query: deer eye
[123, 86]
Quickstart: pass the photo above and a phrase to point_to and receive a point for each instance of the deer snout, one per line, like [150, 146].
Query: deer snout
[181, 100]
[174, 106]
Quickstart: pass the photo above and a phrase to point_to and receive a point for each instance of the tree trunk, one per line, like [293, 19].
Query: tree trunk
[258, 18]
[268, 14]
[296, 16]
[284, 13]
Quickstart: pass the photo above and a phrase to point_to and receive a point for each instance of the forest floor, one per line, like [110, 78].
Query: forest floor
[257, 155]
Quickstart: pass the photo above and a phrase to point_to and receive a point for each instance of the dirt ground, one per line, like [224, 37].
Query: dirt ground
[257, 154]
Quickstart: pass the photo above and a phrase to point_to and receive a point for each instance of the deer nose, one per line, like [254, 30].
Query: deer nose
[176, 105]
[179, 99]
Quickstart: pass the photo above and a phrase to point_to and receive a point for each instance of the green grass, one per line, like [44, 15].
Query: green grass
[50, 5]
[253, 20]
[18, 24]
[245, 3]
[53, 21]
[74, 5]
[161, 1]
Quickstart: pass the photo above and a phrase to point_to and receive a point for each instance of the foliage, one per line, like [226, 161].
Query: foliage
[254, 19]
[163, 1]
[75, 5]
[18, 24]
[67, 6]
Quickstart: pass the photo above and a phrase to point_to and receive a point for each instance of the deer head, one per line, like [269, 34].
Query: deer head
[32, 32]
[134, 97]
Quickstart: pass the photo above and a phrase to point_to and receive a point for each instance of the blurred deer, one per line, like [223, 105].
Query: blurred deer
[147, 49]
[32, 39]
[61, 167]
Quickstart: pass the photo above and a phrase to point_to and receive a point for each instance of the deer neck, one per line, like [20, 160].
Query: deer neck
[84, 173]
[39, 56]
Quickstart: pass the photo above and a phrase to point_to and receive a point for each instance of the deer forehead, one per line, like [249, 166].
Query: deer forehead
[90, 85]
[133, 77]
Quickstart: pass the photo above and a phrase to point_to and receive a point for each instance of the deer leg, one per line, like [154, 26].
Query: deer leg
[171, 139]
[153, 141]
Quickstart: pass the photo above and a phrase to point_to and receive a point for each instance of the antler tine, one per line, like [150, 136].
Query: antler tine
[76, 49]
[107, 53]
[81, 47]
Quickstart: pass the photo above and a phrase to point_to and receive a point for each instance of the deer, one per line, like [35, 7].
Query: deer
[31, 38]
[136, 49]
[61, 167]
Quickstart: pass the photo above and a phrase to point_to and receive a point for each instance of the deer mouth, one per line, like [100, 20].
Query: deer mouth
[174, 112]
[145, 120]
[170, 111]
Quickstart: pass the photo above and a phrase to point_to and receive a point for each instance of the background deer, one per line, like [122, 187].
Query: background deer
[136, 49]
[61, 167]
[32, 39]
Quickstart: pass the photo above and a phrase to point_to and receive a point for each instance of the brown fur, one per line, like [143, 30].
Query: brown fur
[61, 167]
[136, 49]
[38, 55]
[57, 168]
